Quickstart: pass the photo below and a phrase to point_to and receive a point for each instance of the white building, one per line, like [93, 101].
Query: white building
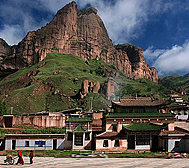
[34, 141]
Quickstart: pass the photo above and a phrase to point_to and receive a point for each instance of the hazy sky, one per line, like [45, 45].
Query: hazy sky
[160, 27]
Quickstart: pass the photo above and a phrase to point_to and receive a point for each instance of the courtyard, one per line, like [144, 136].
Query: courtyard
[50, 162]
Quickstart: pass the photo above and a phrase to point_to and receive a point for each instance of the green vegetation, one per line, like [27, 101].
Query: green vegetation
[49, 153]
[177, 83]
[55, 83]
[138, 155]
[31, 130]
[76, 119]
[45, 131]
[3, 107]
[68, 153]
[112, 115]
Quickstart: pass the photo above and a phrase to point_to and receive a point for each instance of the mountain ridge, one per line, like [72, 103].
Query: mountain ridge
[81, 33]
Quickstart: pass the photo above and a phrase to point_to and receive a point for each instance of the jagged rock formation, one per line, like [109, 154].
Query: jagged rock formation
[81, 33]
[140, 69]
[88, 87]
[5, 49]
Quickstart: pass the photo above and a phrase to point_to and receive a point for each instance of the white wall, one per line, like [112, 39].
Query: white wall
[142, 147]
[171, 144]
[8, 144]
[60, 144]
[100, 142]
[20, 144]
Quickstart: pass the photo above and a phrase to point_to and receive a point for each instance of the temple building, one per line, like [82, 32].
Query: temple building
[135, 124]
[78, 132]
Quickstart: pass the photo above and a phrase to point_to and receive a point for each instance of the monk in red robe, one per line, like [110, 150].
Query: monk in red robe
[20, 159]
[31, 156]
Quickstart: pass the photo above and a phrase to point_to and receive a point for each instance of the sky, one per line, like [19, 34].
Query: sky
[159, 27]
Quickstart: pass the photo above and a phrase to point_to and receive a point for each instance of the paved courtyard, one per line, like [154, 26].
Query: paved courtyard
[49, 162]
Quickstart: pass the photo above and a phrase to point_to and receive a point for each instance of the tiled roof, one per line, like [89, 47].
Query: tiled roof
[106, 135]
[79, 128]
[139, 101]
[143, 127]
[177, 131]
[121, 115]
[77, 119]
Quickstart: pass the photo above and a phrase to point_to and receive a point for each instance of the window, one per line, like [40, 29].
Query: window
[105, 144]
[142, 140]
[40, 143]
[176, 144]
[87, 136]
[116, 144]
[70, 136]
[114, 128]
[27, 144]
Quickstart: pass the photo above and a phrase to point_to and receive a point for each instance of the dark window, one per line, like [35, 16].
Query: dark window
[87, 136]
[78, 139]
[177, 144]
[70, 136]
[105, 144]
[143, 140]
[116, 144]
[27, 144]
[114, 128]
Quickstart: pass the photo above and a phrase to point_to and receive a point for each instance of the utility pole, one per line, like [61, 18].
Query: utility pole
[11, 109]
[47, 104]
[91, 103]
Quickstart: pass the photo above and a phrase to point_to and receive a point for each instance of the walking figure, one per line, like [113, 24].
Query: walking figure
[31, 156]
[20, 159]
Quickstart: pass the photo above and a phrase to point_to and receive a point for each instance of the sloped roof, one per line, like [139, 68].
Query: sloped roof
[143, 127]
[106, 135]
[79, 128]
[139, 101]
[121, 115]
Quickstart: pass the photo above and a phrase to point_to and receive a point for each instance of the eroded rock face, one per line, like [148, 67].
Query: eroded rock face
[5, 49]
[89, 87]
[81, 33]
[108, 89]
[140, 69]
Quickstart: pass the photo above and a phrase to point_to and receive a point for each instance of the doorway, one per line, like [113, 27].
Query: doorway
[78, 139]
[131, 142]
[13, 144]
[54, 144]
[154, 143]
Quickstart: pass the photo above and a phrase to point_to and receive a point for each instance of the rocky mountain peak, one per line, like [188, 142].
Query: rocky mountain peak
[88, 11]
[81, 33]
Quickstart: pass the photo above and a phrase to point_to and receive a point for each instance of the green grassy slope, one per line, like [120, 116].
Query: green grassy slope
[55, 82]
[177, 84]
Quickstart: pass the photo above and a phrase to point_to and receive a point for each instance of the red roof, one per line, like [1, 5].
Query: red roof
[139, 101]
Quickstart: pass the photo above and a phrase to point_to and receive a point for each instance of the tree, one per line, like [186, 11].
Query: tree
[3, 108]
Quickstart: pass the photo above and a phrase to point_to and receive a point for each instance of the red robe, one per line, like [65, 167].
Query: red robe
[20, 159]
[31, 157]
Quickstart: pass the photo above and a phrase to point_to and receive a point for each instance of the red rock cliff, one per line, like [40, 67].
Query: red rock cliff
[83, 34]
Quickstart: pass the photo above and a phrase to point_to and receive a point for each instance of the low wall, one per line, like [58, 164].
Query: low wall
[40, 121]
